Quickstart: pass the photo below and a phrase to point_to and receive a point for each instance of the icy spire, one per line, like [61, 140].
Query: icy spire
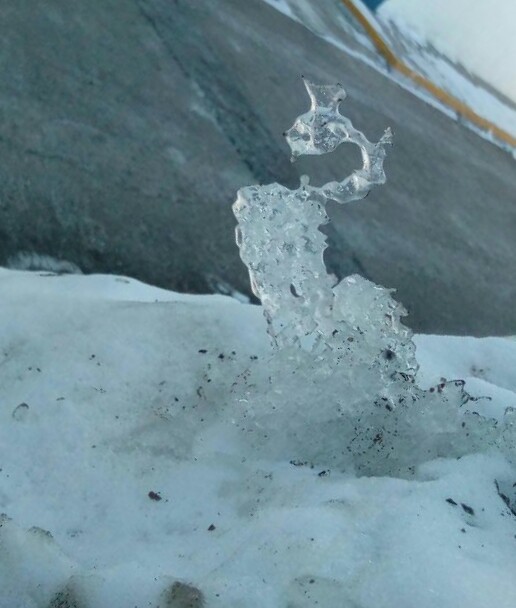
[282, 246]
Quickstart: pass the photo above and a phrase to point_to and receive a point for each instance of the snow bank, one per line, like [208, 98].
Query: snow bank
[113, 498]
[478, 35]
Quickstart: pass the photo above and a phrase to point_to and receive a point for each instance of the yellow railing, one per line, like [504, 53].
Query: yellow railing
[388, 54]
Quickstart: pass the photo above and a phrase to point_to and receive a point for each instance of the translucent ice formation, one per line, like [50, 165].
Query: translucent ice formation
[278, 231]
[339, 388]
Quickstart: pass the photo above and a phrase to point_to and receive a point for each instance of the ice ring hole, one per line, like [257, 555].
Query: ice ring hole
[334, 166]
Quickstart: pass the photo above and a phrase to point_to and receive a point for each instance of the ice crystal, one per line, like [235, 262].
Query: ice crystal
[279, 237]
[339, 388]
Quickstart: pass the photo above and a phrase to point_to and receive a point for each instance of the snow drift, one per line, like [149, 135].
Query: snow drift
[111, 371]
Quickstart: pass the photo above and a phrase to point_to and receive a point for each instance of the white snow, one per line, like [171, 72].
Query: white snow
[477, 34]
[451, 43]
[110, 371]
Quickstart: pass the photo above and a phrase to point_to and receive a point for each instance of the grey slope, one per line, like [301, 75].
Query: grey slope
[126, 128]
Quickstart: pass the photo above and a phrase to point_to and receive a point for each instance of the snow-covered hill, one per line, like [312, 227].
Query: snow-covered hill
[116, 493]
[478, 35]
[466, 48]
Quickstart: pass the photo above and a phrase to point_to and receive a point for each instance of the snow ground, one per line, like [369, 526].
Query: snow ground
[455, 56]
[100, 376]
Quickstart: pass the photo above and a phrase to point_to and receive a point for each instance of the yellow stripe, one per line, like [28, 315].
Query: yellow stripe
[387, 53]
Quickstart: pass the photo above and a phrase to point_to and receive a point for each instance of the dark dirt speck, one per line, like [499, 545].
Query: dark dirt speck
[469, 510]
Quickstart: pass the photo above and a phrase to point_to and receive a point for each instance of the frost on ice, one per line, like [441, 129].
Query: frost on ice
[339, 388]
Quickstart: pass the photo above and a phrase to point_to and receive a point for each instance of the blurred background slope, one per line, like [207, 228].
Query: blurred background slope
[467, 47]
[127, 127]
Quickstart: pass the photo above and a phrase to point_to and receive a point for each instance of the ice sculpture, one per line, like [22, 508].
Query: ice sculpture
[339, 388]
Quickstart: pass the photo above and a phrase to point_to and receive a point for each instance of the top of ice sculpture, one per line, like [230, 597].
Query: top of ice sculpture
[323, 128]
